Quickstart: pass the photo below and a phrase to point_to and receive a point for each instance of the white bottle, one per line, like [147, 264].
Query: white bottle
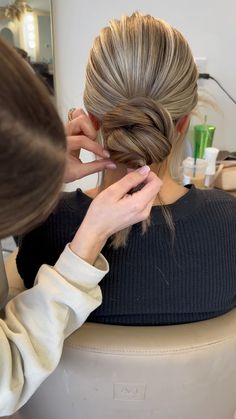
[210, 155]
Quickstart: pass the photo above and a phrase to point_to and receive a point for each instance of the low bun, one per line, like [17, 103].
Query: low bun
[138, 131]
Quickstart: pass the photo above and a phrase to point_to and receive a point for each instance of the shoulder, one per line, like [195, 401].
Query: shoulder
[73, 201]
[46, 242]
[218, 198]
[219, 204]
[217, 195]
[67, 215]
[60, 225]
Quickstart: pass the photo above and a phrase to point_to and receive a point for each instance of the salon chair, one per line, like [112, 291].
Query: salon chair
[113, 372]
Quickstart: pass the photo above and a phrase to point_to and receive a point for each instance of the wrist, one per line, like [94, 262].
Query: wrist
[87, 244]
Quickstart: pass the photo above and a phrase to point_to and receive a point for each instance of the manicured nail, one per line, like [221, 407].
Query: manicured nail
[106, 154]
[111, 166]
[144, 170]
[129, 170]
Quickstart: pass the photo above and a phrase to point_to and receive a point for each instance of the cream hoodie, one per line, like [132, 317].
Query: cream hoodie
[38, 320]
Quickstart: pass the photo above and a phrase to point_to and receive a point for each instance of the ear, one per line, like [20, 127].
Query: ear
[94, 121]
[183, 124]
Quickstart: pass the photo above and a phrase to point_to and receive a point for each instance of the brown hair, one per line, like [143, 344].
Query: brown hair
[32, 146]
[141, 78]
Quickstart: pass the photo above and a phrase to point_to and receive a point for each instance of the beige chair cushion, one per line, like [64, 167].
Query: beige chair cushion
[171, 372]
[115, 372]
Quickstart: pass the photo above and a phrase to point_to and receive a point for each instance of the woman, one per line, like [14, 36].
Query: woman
[141, 88]
[32, 169]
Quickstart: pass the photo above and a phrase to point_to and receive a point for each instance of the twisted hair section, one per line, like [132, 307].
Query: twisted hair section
[138, 131]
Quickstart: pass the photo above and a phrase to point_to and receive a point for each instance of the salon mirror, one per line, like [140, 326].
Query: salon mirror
[26, 25]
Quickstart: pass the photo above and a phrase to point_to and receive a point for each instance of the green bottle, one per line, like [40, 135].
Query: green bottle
[203, 137]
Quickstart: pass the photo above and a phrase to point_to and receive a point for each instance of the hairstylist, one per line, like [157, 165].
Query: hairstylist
[32, 169]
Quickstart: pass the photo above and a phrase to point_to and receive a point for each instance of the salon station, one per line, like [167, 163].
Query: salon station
[183, 367]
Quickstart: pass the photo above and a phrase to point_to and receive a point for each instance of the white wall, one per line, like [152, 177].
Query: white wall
[209, 27]
[45, 41]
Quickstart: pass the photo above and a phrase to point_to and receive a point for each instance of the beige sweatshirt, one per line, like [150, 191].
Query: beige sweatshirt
[38, 320]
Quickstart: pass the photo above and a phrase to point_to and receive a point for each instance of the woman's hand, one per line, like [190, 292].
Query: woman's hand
[114, 209]
[81, 134]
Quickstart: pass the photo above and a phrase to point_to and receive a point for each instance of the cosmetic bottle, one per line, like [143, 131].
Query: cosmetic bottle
[210, 155]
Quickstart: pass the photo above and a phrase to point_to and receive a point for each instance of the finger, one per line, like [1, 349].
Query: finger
[146, 211]
[78, 112]
[149, 191]
[131, 180]
[81, 124]
[80, 141]
[96, 166]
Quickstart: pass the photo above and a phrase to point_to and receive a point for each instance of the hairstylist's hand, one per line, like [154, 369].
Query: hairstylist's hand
[81, 134]
[114, 209]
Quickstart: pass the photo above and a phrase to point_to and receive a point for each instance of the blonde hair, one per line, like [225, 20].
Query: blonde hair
[141, 78]
[32, 147]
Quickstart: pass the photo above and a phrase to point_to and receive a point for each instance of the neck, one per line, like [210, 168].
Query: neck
[170, 192]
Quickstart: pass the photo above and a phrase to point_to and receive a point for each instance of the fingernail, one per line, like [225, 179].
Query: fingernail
[111, 166]
[106, 154]
[144, 170]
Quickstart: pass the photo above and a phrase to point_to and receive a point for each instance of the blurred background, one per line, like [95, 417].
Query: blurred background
[27, 27]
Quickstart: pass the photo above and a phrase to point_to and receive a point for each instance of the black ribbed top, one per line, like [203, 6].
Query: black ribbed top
[153, 280]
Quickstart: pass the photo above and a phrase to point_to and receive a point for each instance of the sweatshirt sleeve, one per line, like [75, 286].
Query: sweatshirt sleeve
[38, 320]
